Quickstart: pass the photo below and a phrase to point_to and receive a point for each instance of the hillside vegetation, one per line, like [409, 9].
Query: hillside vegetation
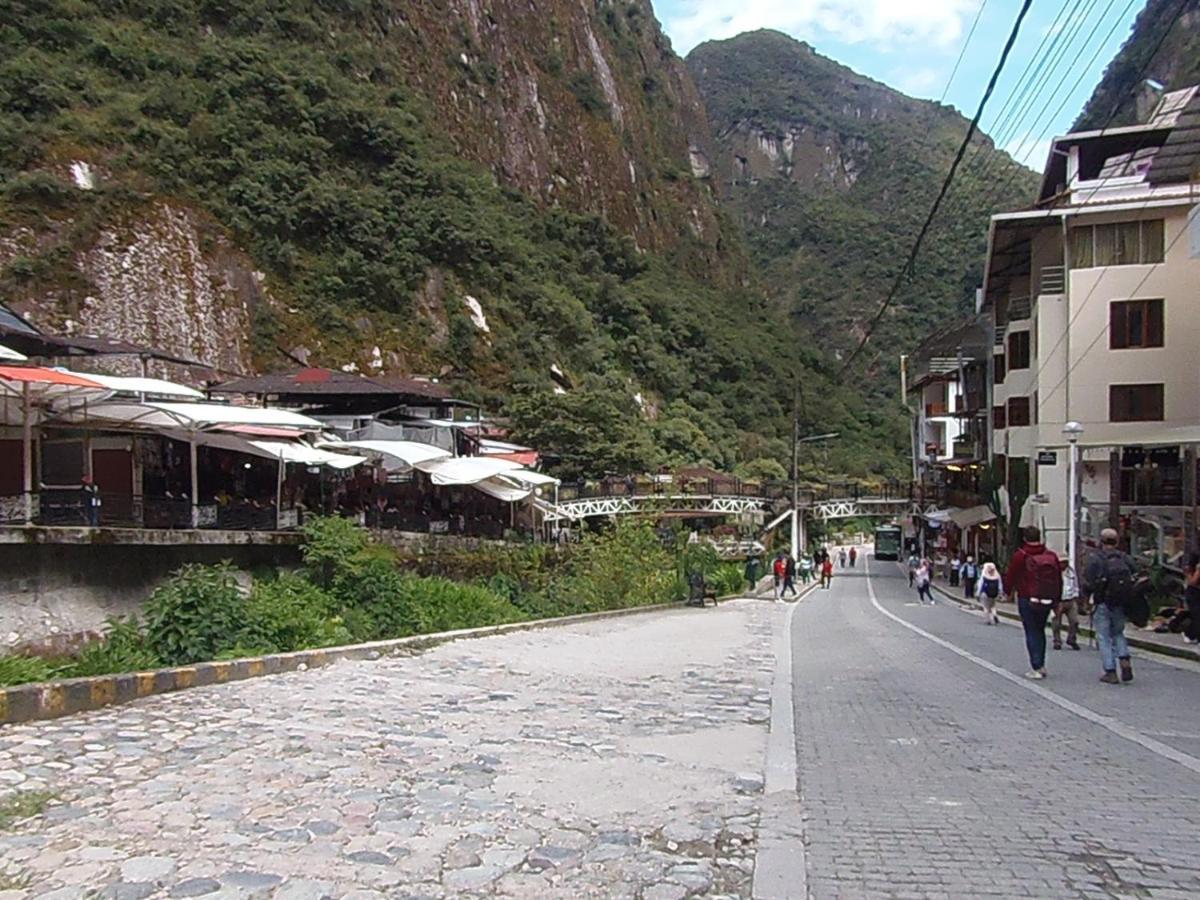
[831, 174]
[293, 130]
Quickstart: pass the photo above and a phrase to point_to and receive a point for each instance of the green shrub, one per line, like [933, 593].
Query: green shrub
[376, 603]
[123, 648]
[728, 578]
[623, 566]
[195, 614]
[331, 547]
[291, 613]
[26, 669]
[445, 605]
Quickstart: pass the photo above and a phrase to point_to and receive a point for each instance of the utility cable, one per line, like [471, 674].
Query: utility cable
[963, 51]
[916, 248]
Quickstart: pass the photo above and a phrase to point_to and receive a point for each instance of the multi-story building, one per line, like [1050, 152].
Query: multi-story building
[1093, 298]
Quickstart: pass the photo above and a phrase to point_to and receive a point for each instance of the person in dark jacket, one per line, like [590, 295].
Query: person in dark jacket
[1034, 601]
[753, 572]
[1108, 616]
[789, 577]
[1191, 594]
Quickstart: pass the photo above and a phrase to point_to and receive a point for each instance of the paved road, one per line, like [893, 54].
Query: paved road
[619, 758]
[927, 772]
[623, 758]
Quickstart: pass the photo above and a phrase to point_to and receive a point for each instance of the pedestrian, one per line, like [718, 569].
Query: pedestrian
[988, 592]
[827, 572]
[1035, 579]
[89, 496]
[789, 576]
[806, 569]
[1109, 581]
[970, 574]
[778, 570]
[923, 580]
[955, 569]
[752, 571]
[842, 558]
[1191, 596]
[853, 556]
[1068, 606]
[913, 562]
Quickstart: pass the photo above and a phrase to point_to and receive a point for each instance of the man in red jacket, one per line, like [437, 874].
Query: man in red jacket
[1035, 579]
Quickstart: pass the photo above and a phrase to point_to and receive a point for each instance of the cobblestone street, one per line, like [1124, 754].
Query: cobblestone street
[615, 759]
[625, 758]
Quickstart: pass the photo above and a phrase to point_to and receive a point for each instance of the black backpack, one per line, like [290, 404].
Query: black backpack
[1115, 586]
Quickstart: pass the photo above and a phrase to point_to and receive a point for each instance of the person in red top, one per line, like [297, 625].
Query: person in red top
[1035, 579]
[827, 572]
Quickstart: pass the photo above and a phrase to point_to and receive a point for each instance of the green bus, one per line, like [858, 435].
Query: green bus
[888, 540]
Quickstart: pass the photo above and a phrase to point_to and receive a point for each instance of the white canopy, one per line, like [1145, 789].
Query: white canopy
[466, 469]
[188, 415]
[295, 452]
[143, 385]
[408, 453]
[501, 490]
[528, 476]
[10, 354]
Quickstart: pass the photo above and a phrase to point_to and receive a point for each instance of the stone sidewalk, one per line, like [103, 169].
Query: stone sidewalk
[619, 758]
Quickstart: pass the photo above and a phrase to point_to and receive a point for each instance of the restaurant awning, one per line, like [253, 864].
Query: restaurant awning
[10, 354]
[502, 490]
[406, 453]
[133, 385]
[466, 469]
[528, 476]
[192, 416]
[303, 454]
[45, 378]
[972, 516]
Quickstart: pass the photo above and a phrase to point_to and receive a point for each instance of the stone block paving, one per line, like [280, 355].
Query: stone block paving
[620, 758]
[924, 775]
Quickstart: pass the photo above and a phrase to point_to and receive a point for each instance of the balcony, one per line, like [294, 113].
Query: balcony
[933, 410]
[966, 448]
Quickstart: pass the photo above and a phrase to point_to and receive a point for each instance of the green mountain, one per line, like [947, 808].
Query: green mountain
[514, 199]
[1164, 46]
[831, 174]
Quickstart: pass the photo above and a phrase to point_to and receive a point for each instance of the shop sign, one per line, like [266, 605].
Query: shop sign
[1047, 458]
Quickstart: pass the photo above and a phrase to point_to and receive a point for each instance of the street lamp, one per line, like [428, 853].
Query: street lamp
[1072, 431]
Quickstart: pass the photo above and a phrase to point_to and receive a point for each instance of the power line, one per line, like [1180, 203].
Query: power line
[916, 248]
[963, 51]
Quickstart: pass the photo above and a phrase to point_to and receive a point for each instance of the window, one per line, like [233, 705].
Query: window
[1018, 350]
[1117, 244]
[999, 419]
[1018, 412]
[1135, 323]
[998, 368]
[1135, 403]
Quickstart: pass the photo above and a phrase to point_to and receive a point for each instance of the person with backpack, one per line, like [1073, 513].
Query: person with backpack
[913, 563]
[778, 570]
[1035, 579]
[1111, 584]
[970, 574]
[1068, 606]
[789, 576]
[988, 592]
[752, 570]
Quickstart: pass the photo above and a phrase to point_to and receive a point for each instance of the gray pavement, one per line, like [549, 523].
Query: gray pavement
[924, 773]
[618, 758]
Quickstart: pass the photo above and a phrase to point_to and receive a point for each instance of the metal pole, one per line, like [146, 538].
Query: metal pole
[796, 471]
[1072, 505]
[279, 470]
[27, 452]
[195, 481]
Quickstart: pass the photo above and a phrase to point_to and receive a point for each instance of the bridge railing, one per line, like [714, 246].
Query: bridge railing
[894, 491]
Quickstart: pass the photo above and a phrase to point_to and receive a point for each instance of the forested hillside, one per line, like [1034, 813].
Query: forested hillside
[415, 188]
[831, 174]
[1163, 46]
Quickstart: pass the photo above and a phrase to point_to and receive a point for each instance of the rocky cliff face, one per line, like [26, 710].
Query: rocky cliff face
[831, 174]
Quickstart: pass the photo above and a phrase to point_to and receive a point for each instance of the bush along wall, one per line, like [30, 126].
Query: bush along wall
[351, 590]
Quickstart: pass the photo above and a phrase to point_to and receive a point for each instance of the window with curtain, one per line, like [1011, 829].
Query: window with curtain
[1081, 248]
[1135, 403]
[1135, 323]
[1117, 244]
[1018, 350]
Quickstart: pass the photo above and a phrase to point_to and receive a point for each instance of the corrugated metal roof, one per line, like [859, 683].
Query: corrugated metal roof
[316, 382]
[1179, 158]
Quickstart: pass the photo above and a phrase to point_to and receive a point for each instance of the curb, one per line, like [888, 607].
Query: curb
[55, 699]
[1134, 641]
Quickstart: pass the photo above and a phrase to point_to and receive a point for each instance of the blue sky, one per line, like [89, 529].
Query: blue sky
[912, 45]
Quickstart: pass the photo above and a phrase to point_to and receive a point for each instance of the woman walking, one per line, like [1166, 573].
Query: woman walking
[988, 592]
[922, 580]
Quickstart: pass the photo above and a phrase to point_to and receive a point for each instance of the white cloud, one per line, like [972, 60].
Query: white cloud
[883, 23]
[921, 82]
[1029, 150]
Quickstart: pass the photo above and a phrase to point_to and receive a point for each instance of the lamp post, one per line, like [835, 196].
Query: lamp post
[1072, 431]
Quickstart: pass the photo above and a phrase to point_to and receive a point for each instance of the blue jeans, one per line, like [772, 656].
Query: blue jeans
[1033, 620]
[1109, 623]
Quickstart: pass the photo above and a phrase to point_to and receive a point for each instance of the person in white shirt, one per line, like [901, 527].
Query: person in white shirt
[1069, 607]
[988, 591]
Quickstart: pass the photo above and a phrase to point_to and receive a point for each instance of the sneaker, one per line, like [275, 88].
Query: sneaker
[1057, 645]
[1036, 674]
[1188, 640]
[1126, 670]
[1073, 645]
[1109, 678]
